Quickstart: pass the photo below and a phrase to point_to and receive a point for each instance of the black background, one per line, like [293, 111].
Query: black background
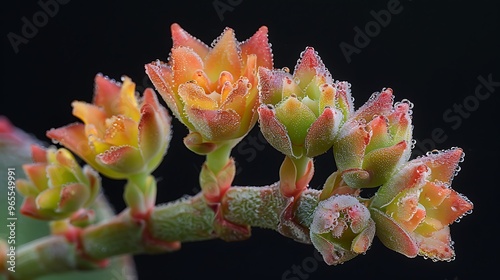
[431, 52]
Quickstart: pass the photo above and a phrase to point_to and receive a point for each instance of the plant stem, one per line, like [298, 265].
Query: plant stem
[217, 159]
[185, 220]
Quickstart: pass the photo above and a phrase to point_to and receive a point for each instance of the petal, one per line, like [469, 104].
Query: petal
[393, 236]
[236, 100]
[162, 78]
[182, 38]
[194, 141]
[73, 197]
[433, 194]
[215, 125]
[296, 117]
[224, 56]
[49, 199]
[106, 92]
[412, 175]
[274, 132]
[332, 253]
[120, 131]
[322, 132]
[400, 122]
[259, 45]
[308, 66]
[381, 163]
[271, 85]
[154, 128]
[59, 176]
[126, 160]
[378, 104]
[74, 138]
[343, 100]
[90, 114]
[349, 147]
[379, 127]
[438, 246]
[193, 96]
[36, 173]
[452, 208]
[38, 153]
[362, 242]
[443, 164]
[185, 64]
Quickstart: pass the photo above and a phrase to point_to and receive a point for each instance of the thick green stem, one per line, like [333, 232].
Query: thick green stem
[217, 159]
[184, 220]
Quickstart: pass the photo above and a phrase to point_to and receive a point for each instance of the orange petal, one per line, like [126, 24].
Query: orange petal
[224, 56]
[106, 92]
[236, 99]
[437, 246]
[259, 45]
[443, 164]
[90, 114]
[185, 62]
[74, 138]
[162, 78]
[181, 38]
[194, 96]
[452, 208]
[214, 125]
[121, 131]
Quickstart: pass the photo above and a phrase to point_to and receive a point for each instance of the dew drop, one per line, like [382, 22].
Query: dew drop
[286, 69]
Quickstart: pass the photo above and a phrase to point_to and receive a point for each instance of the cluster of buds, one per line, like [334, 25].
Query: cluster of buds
[57, 187]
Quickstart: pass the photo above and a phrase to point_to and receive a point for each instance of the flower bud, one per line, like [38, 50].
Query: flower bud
[56, 186]
[300, 114]
[341, 229]
[374, 141]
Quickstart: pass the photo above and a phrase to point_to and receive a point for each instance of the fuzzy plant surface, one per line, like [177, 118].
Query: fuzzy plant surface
[220, 92]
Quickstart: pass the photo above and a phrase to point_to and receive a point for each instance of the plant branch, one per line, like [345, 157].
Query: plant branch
[184, 220]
